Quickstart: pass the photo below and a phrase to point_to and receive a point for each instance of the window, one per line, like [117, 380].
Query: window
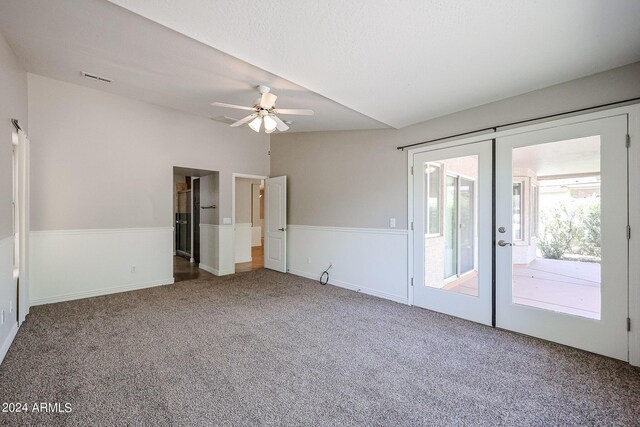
[432, 186]
[517, 210]
[533, 217]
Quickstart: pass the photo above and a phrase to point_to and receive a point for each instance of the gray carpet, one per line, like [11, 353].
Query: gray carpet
[263, 348]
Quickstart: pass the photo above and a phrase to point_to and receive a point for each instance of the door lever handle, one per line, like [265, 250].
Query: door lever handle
[281, 229]
[503, 243]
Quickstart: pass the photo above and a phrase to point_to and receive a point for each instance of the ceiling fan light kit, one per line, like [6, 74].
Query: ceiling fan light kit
[264, 110]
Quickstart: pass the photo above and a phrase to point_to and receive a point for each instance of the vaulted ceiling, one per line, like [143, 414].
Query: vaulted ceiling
[359, 64]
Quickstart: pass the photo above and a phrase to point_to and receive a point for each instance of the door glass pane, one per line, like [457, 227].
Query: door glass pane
[467, 225]
[451, 228]
[517, 210]
[450, 254]
[432, 176]
[557, 266]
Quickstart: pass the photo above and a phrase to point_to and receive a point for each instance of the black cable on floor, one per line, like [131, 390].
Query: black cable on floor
[324, 277]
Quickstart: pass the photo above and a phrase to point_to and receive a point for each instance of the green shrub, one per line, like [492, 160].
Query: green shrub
[571, 228]
[560, 230]
[590, 221]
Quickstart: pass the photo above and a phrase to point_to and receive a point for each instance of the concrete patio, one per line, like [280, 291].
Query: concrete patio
[570, 287]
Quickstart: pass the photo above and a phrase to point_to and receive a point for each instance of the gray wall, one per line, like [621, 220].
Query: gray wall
[359, 179]
[210, 195]
[243, 200]
[104, 161]
[13, 105]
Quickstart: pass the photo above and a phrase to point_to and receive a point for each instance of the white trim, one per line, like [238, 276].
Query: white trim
[208, 269]
[216, 226]
[215, 271]
[351, 286]
[634, 242]
[350, 230]
[98, 231]
[525, 128]
[8, 341]
[105, 291]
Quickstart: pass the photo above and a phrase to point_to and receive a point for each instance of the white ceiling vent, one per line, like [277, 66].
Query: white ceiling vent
[95, 77]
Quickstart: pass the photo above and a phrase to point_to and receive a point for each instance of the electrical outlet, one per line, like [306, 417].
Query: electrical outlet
[133, 268]
[392, 223]
[308, 260]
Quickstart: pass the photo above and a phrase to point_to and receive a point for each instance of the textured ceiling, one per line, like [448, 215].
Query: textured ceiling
[405, 61]
[359, 64]
[149, 62]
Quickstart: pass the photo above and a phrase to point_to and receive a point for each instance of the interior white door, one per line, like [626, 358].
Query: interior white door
[275, 217]
[562, 247]
[452, 223]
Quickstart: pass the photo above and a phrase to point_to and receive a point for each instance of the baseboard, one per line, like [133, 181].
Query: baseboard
[100, 292]
[8, 341]
[215, 271]
[211, 270]
[351, 287]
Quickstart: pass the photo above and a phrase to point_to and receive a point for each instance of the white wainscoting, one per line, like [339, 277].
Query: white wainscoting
[372, 261]
[73, 264]
[7, 296]
[216, 249]
[209, 252]
[243, 239]
[256, 236]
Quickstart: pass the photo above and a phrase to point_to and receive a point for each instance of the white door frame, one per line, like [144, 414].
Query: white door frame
[233, 205]
[633, 112]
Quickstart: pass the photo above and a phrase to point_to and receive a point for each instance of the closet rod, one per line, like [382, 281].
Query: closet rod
[402, 147]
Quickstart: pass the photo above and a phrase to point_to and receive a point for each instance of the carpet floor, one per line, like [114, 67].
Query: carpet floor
[264, 348]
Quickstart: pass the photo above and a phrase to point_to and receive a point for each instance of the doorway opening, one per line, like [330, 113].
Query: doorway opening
[195, 197]
[249, 223]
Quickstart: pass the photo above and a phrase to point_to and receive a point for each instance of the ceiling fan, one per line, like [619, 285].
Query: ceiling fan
[264, 110]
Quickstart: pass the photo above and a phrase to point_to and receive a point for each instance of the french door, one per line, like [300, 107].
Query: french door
[452, 222]
[552, 245]
[562, 248]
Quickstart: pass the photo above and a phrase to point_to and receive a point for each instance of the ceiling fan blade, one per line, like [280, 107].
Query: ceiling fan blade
[281, 125]
[295, 111]
[268, 100]
[239, 107]
[243, 121]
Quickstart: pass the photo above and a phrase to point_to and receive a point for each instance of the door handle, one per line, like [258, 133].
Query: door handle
[503, 243]
[281, 229]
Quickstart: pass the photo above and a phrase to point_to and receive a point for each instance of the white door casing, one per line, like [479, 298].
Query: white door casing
[608, 335]
[275, 217]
